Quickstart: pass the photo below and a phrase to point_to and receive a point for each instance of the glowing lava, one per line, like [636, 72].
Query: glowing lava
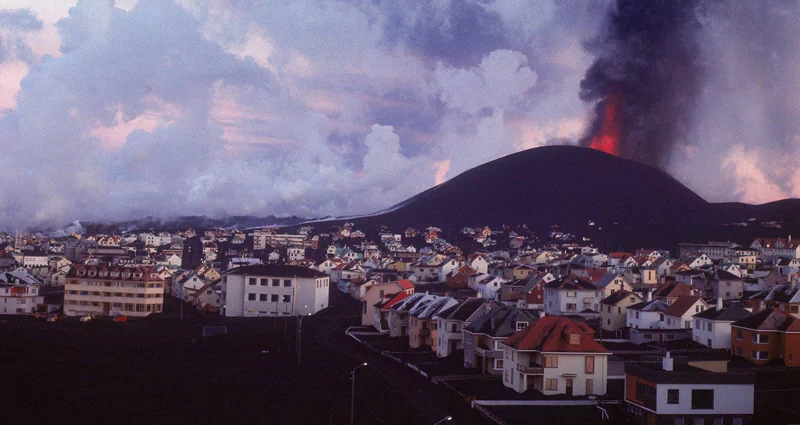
[607, 138]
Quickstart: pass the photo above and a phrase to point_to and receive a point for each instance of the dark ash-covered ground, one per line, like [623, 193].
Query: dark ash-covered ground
[160, 370]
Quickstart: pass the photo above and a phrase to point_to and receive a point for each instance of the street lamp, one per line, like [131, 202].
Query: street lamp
[353, 390]
[447, 418]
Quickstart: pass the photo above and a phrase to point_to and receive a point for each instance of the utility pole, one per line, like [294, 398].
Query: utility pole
[299, 338]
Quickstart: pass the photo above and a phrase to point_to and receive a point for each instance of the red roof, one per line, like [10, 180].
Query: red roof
[400, 296]
[596, 274]
[621, 255]
[552, 334]
[672, 289]
[405, 284]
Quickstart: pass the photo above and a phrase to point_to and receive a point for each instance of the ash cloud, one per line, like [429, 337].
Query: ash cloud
[647, 56]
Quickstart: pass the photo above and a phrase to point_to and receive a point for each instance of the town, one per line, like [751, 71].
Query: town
[513, 327]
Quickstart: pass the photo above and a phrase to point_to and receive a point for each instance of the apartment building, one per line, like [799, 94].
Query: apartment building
[273, 289]
[113, 290]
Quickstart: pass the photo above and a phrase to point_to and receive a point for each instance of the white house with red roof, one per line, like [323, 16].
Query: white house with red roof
[378, 294]
[777, 247]
[555, 356]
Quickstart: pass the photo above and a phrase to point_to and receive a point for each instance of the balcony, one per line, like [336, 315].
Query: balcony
[530, 369]
[484, 352]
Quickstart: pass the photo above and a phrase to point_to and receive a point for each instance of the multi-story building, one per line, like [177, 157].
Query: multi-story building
[482, 338]
[451, 322]
[422, 330]
[555, 356]
[768, 335]
[785, 297]
[263, 240]
[712, 327]
[777, 247]
[378, 294]
[273, 289]
[113, 290]
[572, 295]
[614, 309]
[19, 298]
[670, 393]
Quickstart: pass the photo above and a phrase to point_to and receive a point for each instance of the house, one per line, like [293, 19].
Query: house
[19, 298]
[488, 286]
[478, 262]
[726, 285]
[421, 325]
[451, 322]
[532, 295]
[572, 295]
[785, 297]
[457, 279]
[382, 311]
[378, 294]
[210, 295]
[670, 290]
[679, 314]
[712, 327]
[398, 315]
[673, 392]
[273, 289]
[483, 337]
[613, 282]
[555, 356]
[769, 335]
[614, 309]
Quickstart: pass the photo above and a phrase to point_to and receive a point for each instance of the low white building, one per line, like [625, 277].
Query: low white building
[572, 295]
[273, 289]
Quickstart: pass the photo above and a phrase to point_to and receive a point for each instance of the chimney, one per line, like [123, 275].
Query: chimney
[541, 314]
[649, 295]
[667, 363]
[479, 295]
[719, 303]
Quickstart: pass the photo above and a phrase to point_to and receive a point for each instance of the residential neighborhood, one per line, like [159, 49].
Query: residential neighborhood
[645, 336]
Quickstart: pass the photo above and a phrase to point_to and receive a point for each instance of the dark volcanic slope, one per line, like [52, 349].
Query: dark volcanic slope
[568, 186]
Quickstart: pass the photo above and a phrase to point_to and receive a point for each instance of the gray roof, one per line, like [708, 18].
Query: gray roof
[502, 321]
[730, 313]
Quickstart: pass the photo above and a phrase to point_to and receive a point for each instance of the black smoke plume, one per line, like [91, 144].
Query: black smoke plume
[647, 57]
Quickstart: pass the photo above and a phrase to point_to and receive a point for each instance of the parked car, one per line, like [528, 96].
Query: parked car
[121, 319]
[88, 318]
[53, 318]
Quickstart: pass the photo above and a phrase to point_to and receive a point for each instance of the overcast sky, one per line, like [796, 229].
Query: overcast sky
[221, 107]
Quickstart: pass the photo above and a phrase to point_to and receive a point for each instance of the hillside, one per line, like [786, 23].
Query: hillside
[630, 203]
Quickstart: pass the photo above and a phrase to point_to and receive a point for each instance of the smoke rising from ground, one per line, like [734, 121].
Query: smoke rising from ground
[647, 74]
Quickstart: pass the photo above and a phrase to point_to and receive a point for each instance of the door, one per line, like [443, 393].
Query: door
[569, 386]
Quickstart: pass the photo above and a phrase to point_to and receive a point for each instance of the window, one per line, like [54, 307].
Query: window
[550, 361]
[551, 384]
[572, 307]
[739, 334]
[738, 351]
[521, 325]
[670, 337]
[709, 326]
[498, 364]
[702, 399]
[637, 314]
[589, 387]
[619, 310]
[287, 298]
[252, 281]
[589, 364]
[287, 283]
[251, 297]
[760, 339]
[276, 282]
[274, 298]
[264, 282]
[790, 358]
[698, 324]
[572, 294]
[672, 396]
[648, 336]
[608, 309]
[262, 297]
[661, 317]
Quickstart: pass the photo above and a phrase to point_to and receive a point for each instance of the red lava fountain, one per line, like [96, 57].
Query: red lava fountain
[607, 138]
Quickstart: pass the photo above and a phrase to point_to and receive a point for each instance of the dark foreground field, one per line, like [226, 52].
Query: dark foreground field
[161, 370]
